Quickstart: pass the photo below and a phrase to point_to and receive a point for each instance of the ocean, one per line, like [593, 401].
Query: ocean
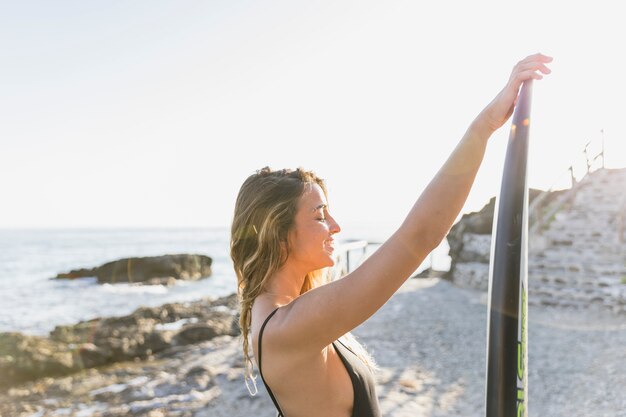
[31, 302]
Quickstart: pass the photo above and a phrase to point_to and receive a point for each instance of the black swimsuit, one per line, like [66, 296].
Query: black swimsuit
[365, 400]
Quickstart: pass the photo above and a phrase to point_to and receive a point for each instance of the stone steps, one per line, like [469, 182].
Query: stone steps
[607, 230]
[596, 270]
[575, 280]
[573, 296]
[577, 258]
[584, 263]
[565, 257]
[577, 292]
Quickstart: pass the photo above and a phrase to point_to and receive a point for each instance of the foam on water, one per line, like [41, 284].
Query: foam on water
[133, 289]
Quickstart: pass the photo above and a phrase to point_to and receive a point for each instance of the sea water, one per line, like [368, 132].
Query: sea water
[31, 302]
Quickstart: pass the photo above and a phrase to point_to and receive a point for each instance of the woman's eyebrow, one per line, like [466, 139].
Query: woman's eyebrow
[321, 206]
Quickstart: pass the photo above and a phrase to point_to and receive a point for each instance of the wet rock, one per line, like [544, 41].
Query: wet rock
[159, 270]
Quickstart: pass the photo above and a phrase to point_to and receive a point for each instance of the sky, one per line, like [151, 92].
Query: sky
[152, 113]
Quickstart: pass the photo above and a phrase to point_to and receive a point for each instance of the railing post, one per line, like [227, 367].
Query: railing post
[342, 257]
[602, 132]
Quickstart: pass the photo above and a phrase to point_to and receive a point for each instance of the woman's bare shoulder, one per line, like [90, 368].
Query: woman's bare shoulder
[278, 330]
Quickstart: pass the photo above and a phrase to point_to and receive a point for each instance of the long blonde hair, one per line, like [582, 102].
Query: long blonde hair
[265, 211]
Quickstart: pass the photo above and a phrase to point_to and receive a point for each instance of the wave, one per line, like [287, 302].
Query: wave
[133, 289]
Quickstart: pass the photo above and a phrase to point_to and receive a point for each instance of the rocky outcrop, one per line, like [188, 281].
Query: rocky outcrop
[577, 253]
[470, 241]
[101, 341]
[470, 245]
[163, 270]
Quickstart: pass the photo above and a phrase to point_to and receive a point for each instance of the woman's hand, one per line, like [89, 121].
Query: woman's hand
[501, 107]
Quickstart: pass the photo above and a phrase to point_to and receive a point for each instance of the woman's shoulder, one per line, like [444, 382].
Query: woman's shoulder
[266, 317]
[269, 311]
[271, 324]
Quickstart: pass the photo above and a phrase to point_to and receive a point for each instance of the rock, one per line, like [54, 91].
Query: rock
[102, 341]
[195, 333]
[154, 270]
[24, 357]
[476, 248]
[76, 333]
[77, 273]
[430, 273]
[473, 275]
[469, 240]
[219, 324]
[92, 356]
[112, 339]
[229, 301]
[199, 371]
[476, 223]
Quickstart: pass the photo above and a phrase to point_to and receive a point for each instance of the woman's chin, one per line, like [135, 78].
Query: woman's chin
[328, 263]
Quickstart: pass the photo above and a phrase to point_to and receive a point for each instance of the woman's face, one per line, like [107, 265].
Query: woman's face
[310, 240]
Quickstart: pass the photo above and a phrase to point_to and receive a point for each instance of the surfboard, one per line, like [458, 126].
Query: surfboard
[507, 326]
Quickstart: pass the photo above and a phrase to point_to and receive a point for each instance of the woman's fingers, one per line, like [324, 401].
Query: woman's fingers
[539, 57]
[534, 66]
[537, 66]
[531, 67]
[526, 75]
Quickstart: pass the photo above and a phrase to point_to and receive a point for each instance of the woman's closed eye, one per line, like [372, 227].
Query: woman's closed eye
[321, 212]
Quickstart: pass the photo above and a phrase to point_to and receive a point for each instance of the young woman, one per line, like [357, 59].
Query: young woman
[283, 238]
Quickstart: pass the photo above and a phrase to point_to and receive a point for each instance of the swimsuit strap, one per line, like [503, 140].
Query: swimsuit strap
[280, 412]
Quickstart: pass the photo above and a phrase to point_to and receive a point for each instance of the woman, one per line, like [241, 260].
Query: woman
[282, 239]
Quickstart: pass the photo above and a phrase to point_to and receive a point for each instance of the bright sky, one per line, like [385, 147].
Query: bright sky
[152, 113]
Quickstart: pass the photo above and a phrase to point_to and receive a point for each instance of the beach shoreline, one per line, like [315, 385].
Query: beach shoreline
[429, 341]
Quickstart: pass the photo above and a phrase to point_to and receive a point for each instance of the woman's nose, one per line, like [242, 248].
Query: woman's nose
[334, 226]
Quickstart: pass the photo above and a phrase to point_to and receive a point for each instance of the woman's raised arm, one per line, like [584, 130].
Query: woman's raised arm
[322, 315]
